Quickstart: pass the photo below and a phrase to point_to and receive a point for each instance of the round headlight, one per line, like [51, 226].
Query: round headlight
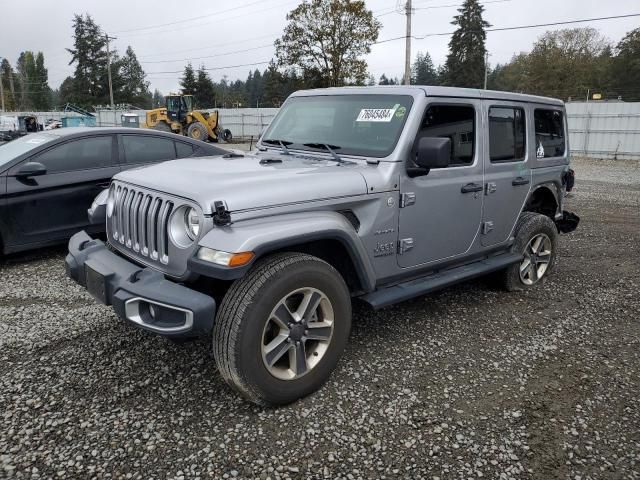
[192, 221]
[184, 226]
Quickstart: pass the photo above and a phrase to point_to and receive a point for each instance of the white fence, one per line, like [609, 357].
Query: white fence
[604, 129]
[596, 129]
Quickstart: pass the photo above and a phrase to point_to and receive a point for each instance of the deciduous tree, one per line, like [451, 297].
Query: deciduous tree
[329, 37]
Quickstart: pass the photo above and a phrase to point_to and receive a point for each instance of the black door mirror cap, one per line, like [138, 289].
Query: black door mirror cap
[433, 152]
[31, 169]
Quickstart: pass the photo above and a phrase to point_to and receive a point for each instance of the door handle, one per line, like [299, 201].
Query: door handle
[471, 187]
[520, 181]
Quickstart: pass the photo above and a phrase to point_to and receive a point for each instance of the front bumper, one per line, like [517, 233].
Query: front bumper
[141, 295]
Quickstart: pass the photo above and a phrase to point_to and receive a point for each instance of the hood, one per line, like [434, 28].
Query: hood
[245, 183]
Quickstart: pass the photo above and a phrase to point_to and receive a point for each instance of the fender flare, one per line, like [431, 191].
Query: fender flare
[265, 235]
[555, 190]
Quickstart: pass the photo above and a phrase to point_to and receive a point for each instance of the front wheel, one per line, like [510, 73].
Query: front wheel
[536, 237]
[198, 131]
[282, 328]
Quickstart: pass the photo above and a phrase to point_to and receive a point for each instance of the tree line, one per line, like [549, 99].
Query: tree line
[324, 44]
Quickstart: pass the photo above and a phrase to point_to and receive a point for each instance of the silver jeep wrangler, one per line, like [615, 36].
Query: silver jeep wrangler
[375, 193]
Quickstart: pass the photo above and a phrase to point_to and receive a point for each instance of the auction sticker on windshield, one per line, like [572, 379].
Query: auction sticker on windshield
[377, 114]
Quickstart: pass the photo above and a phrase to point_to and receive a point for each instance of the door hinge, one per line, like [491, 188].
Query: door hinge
[487, 227]
[404, 245]
[407, 199]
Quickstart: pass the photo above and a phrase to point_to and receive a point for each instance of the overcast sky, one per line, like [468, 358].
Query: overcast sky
[220, 33]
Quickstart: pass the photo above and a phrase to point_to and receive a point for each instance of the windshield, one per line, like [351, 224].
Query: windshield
[21, 145]
[367, 125]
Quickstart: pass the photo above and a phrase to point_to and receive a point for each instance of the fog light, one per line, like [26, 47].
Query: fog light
[152, 311]
[225, 259]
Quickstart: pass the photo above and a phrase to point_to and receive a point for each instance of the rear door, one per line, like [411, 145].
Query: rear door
[52, 207]
[507, 170]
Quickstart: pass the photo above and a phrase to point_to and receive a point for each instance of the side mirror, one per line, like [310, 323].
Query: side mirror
[434, 152]
[31, 169]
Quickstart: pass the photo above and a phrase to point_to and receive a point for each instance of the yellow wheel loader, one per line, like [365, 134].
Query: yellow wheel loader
[178, 116]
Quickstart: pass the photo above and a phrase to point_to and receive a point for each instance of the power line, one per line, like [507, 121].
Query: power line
[519, 27]
[142, 33]
[200, 17]
[216, 68]
[210, 56]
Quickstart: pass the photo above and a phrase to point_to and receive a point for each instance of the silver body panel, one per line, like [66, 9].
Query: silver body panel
[304, 193]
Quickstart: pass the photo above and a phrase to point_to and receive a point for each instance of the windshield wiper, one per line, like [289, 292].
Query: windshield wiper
[283, 144]
[330, 148]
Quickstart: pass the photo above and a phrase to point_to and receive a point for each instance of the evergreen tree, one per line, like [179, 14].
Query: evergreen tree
[158, 99]
[466, 60]
[7, 77]
[204, 90]
[90, 83]
[188, 81]
[25, 69]
[423, 71]
[383, 80]
[133, 88]
[42, 93]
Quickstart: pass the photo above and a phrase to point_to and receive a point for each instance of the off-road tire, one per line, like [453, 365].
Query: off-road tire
[198, 131]
[529, 225]
[245, 310]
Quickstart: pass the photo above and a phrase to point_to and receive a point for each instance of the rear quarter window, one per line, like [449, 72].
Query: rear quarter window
[550, 134]
[147, 149]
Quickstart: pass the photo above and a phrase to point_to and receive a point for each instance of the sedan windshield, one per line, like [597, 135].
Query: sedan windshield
[367, 125]
[21, 145]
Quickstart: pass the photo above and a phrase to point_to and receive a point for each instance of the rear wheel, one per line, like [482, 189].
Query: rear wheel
[198, 131]
[282, 328]
[536, 239]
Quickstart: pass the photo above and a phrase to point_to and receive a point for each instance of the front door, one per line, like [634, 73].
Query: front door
[52, 207]
[441, 210]
[507, 171]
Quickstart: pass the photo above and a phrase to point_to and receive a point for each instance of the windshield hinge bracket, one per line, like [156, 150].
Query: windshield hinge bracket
[221, 216]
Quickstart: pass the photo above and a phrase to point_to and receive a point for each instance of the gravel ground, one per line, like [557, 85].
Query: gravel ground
[470, 382]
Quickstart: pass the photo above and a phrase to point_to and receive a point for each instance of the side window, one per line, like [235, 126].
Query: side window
[549, 133]
[82, 154]
[184, 150]
[147, 149]
[507, 134]
[456, 122]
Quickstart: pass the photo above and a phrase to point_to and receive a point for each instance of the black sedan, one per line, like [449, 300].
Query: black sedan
[49, 179]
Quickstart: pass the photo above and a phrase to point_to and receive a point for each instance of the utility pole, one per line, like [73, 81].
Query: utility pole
[407, 59]
[2, 89]
[113, 107]
[486, 68]
[1, 93]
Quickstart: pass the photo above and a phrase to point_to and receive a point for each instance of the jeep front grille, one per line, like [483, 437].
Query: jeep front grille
[139, 222]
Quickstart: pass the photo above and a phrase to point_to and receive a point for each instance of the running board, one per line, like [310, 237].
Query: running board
[404, 291]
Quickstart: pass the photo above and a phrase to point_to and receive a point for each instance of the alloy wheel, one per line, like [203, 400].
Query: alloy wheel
[537, 258]
[297, 333]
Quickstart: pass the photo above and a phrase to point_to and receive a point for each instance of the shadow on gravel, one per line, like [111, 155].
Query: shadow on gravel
[32, 256]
